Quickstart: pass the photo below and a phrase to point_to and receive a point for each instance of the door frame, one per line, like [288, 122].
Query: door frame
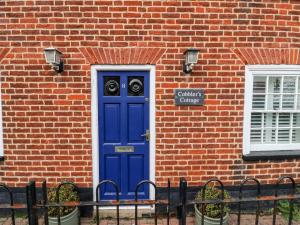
[95, 123]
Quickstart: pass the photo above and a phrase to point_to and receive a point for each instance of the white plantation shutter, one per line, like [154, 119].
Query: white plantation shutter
[296, 128]
[284, 127]
[259, 90]
[256, 125]
[272, 120]
[275, 110]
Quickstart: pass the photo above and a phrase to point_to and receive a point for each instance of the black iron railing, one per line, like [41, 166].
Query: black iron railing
[291, 197]
[39, 208]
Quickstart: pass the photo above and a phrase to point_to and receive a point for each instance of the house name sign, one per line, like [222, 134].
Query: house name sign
[189, 96]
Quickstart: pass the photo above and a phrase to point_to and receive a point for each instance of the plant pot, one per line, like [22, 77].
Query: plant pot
[208, 220]
[70, 219]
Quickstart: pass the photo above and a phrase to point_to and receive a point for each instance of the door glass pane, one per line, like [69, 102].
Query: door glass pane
[111, 86]
[298, 102]
[135, 86]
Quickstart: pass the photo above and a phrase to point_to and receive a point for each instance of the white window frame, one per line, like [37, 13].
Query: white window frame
[264, 70]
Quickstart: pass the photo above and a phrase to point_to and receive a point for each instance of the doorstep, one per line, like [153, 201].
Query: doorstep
[126, 212]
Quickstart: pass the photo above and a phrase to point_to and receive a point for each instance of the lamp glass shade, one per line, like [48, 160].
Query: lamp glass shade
[192, 56]
[58, 55]
[52, 55]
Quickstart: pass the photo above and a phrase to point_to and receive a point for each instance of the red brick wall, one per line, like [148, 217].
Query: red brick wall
[47, 117]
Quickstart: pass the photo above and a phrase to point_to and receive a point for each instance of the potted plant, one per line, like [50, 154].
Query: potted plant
[68, 215]
[212, 212]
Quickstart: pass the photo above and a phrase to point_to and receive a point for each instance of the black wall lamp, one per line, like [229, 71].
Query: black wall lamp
[191, 58]
[53, 57]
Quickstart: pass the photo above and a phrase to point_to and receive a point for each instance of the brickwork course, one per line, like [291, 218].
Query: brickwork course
[47, 117]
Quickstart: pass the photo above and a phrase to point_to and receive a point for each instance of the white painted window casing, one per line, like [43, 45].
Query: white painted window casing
[272, 108]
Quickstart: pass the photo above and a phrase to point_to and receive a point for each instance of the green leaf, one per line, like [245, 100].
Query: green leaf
[213, 210]
[66, 194]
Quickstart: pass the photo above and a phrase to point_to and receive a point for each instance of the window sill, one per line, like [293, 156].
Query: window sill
[1, 158]
[272, 155]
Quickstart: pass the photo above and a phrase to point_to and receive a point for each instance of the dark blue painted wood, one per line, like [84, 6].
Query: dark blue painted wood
[112, 172]
[122, 120]
[112, 122]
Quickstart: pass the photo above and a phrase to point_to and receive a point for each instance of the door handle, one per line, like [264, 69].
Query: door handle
[146, 135]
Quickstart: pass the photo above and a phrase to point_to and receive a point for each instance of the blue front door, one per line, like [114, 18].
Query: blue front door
[123, 131]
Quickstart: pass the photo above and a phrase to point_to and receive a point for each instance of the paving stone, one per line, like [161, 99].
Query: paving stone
[247, 219]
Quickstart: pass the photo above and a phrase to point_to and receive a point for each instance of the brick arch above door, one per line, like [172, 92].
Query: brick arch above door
[122, 56]
[266, 56]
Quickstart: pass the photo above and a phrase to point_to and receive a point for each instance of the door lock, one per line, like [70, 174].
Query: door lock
[146, 135]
